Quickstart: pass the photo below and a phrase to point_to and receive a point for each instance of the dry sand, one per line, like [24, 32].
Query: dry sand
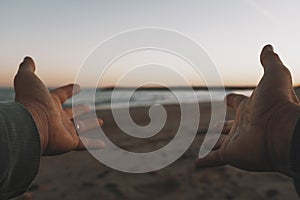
[77, 175]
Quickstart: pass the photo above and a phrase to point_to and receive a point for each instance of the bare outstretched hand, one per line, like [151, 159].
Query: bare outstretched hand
[259, 137]
[55, 124]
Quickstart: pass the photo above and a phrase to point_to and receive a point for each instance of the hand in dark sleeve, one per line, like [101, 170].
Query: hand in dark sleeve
[55, 124]
[260, 136]
[19, 150]
[36, 124]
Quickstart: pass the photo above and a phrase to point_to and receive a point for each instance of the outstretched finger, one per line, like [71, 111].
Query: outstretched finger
[234, 100]
[211, 160]
[89, 144]
[66, 92]
[225, 127]
[88, 124]
[77, 111]
[215, 142]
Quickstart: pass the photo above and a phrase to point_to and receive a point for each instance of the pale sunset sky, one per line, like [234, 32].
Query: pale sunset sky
[60, 34]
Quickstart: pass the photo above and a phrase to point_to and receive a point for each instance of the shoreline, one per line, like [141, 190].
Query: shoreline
[78, 175]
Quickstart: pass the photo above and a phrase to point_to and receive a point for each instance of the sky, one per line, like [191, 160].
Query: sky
[60, 35]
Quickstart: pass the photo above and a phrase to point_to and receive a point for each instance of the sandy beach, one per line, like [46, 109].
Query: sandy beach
[77, 175]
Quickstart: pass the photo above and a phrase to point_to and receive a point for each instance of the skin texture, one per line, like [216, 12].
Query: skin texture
[55, 124]
[259, 137]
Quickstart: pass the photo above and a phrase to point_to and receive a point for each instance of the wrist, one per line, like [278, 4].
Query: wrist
[40, 119]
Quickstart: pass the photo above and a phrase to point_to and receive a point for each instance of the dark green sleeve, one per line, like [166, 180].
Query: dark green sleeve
[295, 156]
[20, 150]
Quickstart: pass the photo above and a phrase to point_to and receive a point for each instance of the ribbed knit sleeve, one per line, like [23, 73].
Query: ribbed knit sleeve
[20, 150]
[295, 156]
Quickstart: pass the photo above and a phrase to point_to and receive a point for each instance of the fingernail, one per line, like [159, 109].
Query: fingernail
[269, 48]
[27, 64]
[102, 144]
[27, 59]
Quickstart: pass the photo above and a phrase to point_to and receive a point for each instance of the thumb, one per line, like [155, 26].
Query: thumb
[273, 65]
[27, 85]
[27, 65]
[276, 75]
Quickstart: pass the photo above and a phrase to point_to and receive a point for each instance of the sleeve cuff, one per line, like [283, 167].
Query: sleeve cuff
[294, 156]
[295, 149]
[20, 150]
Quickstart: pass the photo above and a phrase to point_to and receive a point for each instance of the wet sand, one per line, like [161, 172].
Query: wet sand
[77, 175]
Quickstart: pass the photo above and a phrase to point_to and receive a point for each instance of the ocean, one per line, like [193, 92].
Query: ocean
[139, 97]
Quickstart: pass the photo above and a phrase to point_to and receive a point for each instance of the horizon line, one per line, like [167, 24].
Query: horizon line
[229, 87]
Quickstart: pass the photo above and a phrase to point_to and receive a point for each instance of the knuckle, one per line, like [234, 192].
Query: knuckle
[286, 71]
[76, 142]
[55, 96]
